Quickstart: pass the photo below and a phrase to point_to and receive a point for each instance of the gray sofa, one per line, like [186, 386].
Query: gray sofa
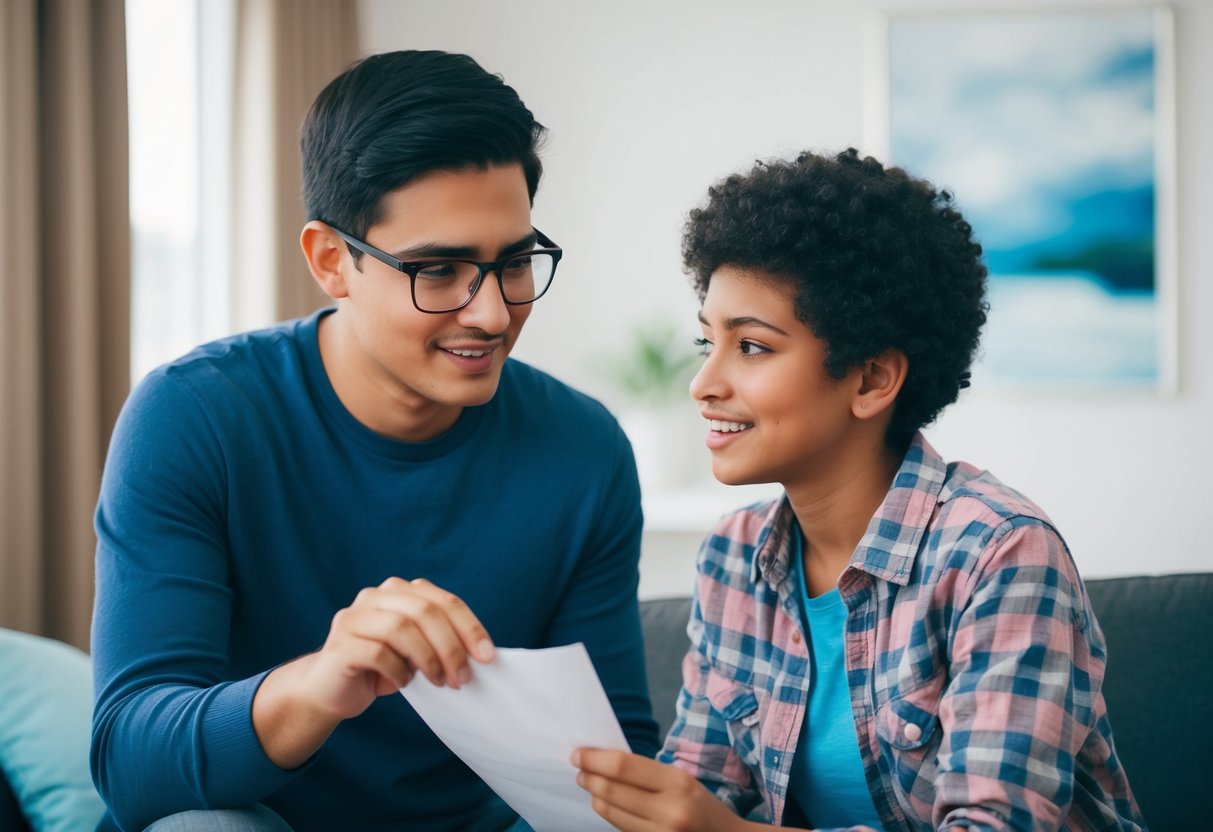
[1159, 689]
[1159, 685]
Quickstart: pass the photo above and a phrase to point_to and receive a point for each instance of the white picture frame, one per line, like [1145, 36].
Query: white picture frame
[1055, 129]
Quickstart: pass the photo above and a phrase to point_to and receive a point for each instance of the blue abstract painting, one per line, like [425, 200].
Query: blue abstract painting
[1046, 126]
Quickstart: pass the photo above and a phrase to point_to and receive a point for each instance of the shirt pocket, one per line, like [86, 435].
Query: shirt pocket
[905, 725]
[909, 732]
[738, 707]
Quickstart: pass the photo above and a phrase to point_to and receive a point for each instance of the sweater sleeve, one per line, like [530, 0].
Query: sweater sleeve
[170, 731]
[600, 606]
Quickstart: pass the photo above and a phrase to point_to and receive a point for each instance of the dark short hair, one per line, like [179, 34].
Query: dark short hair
[392, 117]
[878, 260]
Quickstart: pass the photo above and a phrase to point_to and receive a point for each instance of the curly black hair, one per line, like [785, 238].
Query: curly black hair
[878, 258]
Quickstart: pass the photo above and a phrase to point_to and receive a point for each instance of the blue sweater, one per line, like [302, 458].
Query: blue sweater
[242, 505]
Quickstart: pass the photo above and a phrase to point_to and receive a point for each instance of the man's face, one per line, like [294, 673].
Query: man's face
[432, 365]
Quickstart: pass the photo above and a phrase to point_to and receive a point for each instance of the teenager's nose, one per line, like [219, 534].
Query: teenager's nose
[708, 383]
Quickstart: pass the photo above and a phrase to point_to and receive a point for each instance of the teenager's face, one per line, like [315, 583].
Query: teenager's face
[453, 359]
[775, 414]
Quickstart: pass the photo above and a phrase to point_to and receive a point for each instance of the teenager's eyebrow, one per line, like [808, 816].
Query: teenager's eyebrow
[744, 320]
[425, 251]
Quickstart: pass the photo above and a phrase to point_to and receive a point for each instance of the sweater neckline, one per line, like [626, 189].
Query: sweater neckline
[340, 417]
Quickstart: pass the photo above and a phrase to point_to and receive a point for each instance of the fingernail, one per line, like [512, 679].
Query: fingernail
[484, 650]
[575, 758]
[465, 675]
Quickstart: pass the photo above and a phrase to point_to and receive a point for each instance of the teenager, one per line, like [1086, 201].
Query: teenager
[295, 523]
[899, 642]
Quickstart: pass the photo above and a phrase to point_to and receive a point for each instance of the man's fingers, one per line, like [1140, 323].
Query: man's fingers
[424, 618]
[431, 629]
[373, 656]
[401, 635]
[471, 632]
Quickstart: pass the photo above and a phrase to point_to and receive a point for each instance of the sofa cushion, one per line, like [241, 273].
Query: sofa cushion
[1159, 631]
[46, 706]
[664, 621]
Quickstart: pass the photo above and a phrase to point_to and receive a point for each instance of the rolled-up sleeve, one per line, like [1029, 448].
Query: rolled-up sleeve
[1026, 666]
[699, 741]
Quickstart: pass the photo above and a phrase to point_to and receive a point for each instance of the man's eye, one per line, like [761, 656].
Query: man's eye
[519, 264]
[437, 271]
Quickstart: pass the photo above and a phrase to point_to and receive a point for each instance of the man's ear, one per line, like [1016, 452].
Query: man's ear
[880, 381]
[325, 253]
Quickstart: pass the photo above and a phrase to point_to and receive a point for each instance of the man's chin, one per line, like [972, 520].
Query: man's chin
[476, 390]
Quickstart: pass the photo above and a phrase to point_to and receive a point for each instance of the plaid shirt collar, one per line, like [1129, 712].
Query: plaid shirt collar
[890, 543]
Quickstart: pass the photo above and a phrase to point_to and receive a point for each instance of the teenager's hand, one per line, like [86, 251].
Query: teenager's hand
[636, 794]
[374, 647]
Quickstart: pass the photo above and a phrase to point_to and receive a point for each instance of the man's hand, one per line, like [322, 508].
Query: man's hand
[636, 794]
[374, 647]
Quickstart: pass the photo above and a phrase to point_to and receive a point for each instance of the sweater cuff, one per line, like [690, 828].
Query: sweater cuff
[245, 774]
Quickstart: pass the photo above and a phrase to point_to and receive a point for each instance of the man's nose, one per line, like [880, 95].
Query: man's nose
[487, 310]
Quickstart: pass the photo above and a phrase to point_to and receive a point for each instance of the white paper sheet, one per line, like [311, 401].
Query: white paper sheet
[516, 724]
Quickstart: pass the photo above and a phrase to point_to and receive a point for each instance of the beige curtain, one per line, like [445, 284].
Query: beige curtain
[286, 52]
[64, 349]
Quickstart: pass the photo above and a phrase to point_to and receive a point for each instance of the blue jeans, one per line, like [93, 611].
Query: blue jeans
[253, 819]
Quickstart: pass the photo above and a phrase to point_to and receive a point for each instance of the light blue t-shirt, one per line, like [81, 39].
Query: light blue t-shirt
[827, 780]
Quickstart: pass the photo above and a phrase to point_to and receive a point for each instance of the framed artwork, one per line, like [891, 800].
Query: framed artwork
[1055, 131]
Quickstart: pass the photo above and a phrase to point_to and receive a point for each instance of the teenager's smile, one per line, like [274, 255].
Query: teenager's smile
[723, 430]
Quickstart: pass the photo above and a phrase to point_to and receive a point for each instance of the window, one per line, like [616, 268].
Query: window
[179, 69]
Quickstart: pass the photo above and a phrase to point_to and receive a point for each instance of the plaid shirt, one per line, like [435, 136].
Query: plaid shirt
[973, 657]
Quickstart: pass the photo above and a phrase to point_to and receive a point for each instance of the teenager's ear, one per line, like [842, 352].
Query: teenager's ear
[880, 381]
[325, 253]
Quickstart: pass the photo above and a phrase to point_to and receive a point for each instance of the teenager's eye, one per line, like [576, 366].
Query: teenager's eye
[705, 346]
[750, 348]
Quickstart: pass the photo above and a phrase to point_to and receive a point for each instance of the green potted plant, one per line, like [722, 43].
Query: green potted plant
[652, 374]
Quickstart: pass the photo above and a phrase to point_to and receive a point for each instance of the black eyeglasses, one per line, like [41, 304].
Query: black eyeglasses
[446, 285]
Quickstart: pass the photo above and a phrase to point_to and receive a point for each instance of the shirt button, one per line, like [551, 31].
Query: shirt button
[796, 638]
[775, 759]
[913, 732]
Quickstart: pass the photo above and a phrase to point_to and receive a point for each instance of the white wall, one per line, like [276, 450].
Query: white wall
[648, 102]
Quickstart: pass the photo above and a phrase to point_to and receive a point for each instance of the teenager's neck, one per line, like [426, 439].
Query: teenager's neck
[834, 510]
[372, 396]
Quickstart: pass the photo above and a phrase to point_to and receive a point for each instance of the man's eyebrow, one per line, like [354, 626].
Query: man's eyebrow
[428, 251]
[744, 320]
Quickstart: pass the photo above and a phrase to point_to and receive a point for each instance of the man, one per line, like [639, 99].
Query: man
[296, 522]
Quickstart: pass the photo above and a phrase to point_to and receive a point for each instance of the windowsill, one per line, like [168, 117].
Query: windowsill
[694, 509]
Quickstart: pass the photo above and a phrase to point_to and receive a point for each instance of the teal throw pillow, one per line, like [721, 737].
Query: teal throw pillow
[46, 707]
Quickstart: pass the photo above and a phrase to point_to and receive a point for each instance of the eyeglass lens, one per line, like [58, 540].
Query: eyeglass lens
[441, 286]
